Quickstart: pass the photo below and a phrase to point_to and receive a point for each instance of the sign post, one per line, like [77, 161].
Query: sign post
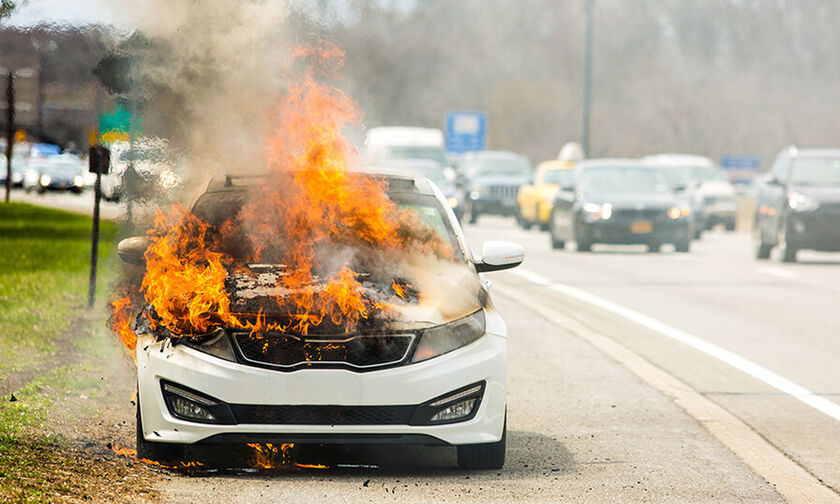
[10, 124]
[466, 131]
[99, 160]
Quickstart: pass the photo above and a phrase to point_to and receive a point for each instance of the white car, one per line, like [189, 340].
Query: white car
[421, 383]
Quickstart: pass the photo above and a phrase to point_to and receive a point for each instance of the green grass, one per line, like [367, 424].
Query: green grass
[44, 268]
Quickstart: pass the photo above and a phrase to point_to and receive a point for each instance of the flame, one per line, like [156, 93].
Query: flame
[132, 454]
[310, 207]
[399, 289]
[121, 324]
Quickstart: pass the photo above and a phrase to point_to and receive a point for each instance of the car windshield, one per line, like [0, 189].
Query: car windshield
[821, 171]
[418, 152]
[559, 177]
[62, 168]
[435, 173]
[503, 167]
[625, 180]
[218, 207]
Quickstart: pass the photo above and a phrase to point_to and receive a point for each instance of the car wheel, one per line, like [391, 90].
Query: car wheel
[582, 239]
[762, 250]
[473, 215]
[555, 243]
[165, 453]
[730, 225]
[683, 245]
[485, 455]
[698, 233]
[524, 224]
[788, 250]
[654, 247]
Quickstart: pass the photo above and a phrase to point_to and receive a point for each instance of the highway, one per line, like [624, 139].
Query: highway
[651, 419]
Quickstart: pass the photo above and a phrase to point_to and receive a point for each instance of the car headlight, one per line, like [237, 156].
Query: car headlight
[798, 202]
[78, 181]
[453, 201]
[595, 212]
[447, 337]
[215, 343]
[45, 180]
[679, 212]
[475, 194]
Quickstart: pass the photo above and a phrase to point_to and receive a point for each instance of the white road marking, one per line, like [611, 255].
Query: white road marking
[736, 361]
[778, 272]
[791, 480]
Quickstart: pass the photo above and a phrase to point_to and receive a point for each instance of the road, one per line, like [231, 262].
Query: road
[651, 419]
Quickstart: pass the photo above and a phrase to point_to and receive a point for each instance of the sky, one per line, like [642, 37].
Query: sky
[74, 12]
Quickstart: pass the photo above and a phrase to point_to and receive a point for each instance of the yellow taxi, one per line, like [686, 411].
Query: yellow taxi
[535, 200]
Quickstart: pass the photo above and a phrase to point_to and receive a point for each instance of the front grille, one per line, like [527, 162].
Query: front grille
[504, 191]
[638, 214]
[291, 351]
[322, 415]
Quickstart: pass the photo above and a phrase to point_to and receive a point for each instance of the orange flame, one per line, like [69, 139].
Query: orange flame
[132, 454]
[121, 324]
[399, 289]
[310, 207]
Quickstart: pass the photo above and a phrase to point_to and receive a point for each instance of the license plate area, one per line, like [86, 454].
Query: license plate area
[641, 227]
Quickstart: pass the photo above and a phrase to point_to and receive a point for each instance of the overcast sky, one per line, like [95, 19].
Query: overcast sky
[63, 12]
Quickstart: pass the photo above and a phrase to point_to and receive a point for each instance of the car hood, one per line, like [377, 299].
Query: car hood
[824, 195]
[634, 201]
[497, 180]
[438, 292]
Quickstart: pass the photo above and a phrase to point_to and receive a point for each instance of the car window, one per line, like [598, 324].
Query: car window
[779, 169]
[822, 171]
[624, 180]
[559, 177]
[502, 167]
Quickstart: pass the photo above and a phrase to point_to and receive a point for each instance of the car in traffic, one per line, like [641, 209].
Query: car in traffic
[620, 201]
[493, 179]
[418, 383]
[536, 198]
[713, 198]
[384, 144]
[798, 204]
[61, 172]
[19, 161]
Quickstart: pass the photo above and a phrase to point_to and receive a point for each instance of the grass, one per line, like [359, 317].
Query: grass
[44, 268]
[52, 351]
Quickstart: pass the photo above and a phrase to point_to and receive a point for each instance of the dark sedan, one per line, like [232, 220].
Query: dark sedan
[798, 204]
[620, 201]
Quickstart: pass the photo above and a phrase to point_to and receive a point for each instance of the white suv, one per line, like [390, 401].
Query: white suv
[416, 383]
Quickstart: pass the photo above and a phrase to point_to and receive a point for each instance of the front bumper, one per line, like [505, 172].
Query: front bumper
[817, 230]
[233, 383]
[618, 232]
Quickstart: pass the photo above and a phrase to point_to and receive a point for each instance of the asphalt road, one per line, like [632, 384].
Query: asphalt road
[586, 428]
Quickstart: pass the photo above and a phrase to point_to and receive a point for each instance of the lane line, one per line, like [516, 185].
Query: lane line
[742, 364]
[778, 272]
[794, 483]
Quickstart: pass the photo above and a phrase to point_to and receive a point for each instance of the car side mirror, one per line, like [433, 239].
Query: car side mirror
[499, 255]
[132, 250]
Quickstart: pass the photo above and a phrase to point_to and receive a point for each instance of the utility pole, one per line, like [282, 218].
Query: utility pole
[587, 76]
[10, 126]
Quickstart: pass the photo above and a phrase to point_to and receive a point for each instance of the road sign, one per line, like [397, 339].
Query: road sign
[740, 169]
[466, 131]
[117, 124]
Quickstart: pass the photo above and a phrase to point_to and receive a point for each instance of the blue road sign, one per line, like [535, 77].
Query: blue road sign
[466, 131]
[740, 169]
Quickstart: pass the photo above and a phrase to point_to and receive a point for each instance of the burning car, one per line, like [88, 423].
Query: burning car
[377, 345]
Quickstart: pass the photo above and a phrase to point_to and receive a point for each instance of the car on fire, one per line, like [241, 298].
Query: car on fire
[621, 201]
[423, 381]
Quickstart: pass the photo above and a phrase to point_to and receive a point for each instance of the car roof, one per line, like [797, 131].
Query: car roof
[396, 182]
[624, 162]
[813, 152]
[675, 159]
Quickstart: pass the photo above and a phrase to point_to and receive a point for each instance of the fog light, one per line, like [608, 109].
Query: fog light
[454, 411]
[45, 180]
[188, 405]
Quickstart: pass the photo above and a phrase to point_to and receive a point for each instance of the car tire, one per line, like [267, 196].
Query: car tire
[582, 240]
[654, 247]
[788, 250]
[762, 249]
[730, 225]
[524, 224]
[555, 243]
[473, 215]
[164, 453]
[485, 455]
[683, 245]
[698, 233]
